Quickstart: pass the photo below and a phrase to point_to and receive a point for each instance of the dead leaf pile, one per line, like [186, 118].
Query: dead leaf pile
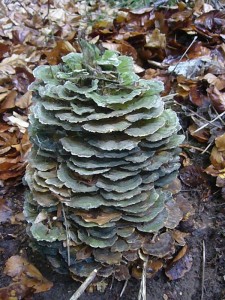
[217, 158]
[31, 33]
[26, 279]
[182, 46]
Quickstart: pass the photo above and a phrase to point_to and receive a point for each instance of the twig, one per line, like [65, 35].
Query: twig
[157, 64]
[193, 112]
[142, 292]
[222, 121]
[113, 277]
[203, 269]
[47, 10]
[194, 39]
[84, 285]
[124, 287]
[210, 122]
[67, 235]
[169, 97]
[193, 147]
[205, 150]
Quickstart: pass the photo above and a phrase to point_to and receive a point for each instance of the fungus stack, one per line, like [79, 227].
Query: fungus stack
[104, 148]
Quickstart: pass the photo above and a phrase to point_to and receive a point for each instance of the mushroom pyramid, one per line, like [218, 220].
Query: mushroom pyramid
[104, 148]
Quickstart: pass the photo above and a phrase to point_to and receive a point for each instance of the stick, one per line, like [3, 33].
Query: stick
[47, 10]
[169, 97]
[67, 235]
[209, 145]
[194, 39]
[194, 113]
[124, 287]
[192, 147]
[210, 122]
[142, 292]
[84, 285]
[113, 277]
[218, 115]
[203, 268]
[157, 64]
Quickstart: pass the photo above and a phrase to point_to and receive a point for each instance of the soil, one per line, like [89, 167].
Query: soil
[207, 224]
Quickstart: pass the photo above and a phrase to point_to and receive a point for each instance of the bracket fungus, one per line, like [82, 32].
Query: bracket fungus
[104, 148]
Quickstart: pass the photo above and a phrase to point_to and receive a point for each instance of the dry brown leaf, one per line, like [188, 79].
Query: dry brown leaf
[26, 274]
[16, 291]
[3, 93]
[122, 46]
[215, 81]
[156, 39]
[211, 24]
[153, 266]
[99, 218]
[179, 237]
[220, 142]
[217, 158]
[193, 176]
[201, 135]
[186, 161]
[217, 98]
[17, 218]
[61, 48]
[8, 102]
[180, 265]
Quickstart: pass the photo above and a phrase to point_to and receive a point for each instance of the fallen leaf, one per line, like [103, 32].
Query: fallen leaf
[193, 176]
[217, 158]
[153, 266]
[62, 48]
[156, 39]
[186, 161]
[17, 218]
[22, 79]
[179, 237]
[214, 80]
[5, 212]
[24, 101]
[122, 46]
[26, 274]
[211, 24]
[180, 265]
[8, 102]
[99, 218]
[220, 142]
[16, 291]
[217, 98]
[202, 135]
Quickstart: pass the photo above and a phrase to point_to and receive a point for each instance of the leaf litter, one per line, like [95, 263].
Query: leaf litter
[49, 33]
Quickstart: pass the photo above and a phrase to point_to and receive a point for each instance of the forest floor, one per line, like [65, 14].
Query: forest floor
[41, 32]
